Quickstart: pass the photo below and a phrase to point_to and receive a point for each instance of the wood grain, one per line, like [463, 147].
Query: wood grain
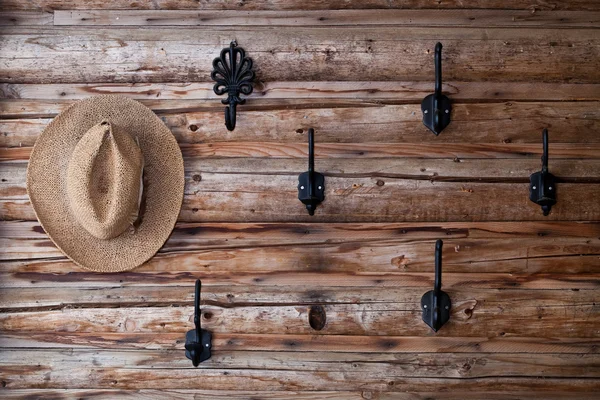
[530, 5]
[191, 394]
[501, 127]
[170, 55]
[232, 379]
[468, 318]
[263, 197]
[542, 247]
[302, 343]
[525, 321]
[13, 18]
[427, 18]
[375, 90]
[414, 365]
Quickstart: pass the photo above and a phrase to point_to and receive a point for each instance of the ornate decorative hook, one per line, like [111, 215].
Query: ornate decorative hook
[436, 303]
[232, 71]
[542, 184]
[198, 342]
[436, 107]
[311, 184]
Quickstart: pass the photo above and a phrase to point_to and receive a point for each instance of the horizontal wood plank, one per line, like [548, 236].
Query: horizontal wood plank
[302, 343]
[24, 18]
[428, 18]
[536, 248]
[24, 299]
[367, 90]
[413, 365]
[468, 318]
[191, 394]
[259, 197]
[232, 379]
[530, 5]
[172, 55]
[503, 128]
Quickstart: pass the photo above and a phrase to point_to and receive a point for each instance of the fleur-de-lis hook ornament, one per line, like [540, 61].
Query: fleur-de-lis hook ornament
[233, 74]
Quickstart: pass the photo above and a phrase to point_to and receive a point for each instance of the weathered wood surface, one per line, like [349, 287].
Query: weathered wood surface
[530, 5]
[501, 126]
[294, 366]
[182, 394]
[66, 341]
[525, 318]
[390, 91]
[469, 318]
[362, 197]
[95, 54]
[459, 18]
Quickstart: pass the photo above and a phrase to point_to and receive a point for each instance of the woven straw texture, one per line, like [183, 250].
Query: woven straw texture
[83, 180]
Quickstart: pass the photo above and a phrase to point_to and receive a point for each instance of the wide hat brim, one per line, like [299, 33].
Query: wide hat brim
[163, 183]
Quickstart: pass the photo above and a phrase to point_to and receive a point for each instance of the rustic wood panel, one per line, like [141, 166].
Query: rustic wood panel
[468, 318]
[293, 53]
[244, 395]
[303, 343]
[428, 18]
[27, 240]
[232, 379]
[530, 5]
[373, 90]
[525, 320]
[471, 365]
[265, 196]
[362, 200]
[501, 126]
[109, 394]
[12, 18]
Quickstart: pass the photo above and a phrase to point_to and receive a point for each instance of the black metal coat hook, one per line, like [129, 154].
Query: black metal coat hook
[542, 184]
[436, 107]
[436, 303]
[233, 74]
[311, 184]
[198, 342]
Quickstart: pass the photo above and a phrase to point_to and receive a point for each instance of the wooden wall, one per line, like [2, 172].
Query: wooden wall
[525, 288]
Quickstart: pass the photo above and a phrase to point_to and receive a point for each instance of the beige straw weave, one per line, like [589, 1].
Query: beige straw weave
[106, 181]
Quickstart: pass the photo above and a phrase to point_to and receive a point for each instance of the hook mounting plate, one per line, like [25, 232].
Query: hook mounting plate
[429, 305]
[542, 190]
[436, 106]
[311, 201]
[198, 349]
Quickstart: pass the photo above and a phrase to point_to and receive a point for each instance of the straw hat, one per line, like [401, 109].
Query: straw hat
[106, 179]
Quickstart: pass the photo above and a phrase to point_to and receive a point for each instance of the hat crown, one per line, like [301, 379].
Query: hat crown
[104, 181]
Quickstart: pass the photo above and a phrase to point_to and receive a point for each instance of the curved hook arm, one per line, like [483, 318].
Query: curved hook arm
[438, 86]
[437, 286]
[545, 151]
[230, 114]
[197, 306]
[438, 68]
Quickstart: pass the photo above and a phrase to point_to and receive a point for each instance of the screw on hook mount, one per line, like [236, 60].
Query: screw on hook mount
[234, 75]
[436, 303]
[311, 184]
[436, 107]
[542, 184]
[198, 342]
